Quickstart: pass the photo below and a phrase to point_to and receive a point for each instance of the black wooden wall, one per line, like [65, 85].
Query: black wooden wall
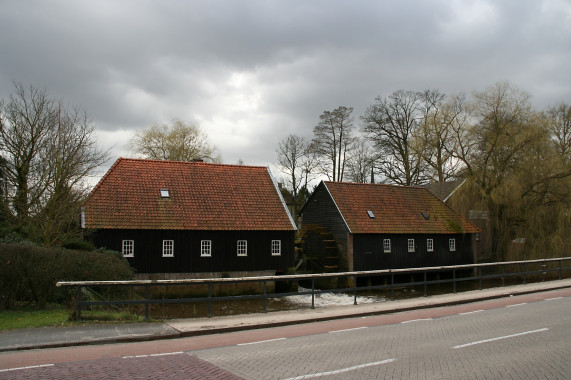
[148, 256]
[321, 210]
[369, 254]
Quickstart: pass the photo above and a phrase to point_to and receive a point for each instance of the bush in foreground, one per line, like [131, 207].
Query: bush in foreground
[29, 273]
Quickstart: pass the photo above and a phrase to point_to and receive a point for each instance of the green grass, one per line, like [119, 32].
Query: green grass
[58, 315]
[29, 316]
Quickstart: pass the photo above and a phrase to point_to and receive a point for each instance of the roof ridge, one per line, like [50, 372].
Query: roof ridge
[189, 162]
[376, 184]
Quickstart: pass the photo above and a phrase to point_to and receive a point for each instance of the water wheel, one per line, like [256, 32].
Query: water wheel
[319, 250]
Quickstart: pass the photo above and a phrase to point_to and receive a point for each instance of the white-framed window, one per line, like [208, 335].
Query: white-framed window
[206, 248]
[429, 245]
[128, 248]
[452, 245]
[276, 247]
[168, 248]
[387, 245]
[242, 248]
[411, 245]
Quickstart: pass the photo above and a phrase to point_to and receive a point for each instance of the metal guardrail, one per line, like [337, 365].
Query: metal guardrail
[498, 272]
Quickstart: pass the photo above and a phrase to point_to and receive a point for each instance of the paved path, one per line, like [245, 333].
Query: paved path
[46, 337]
[175, 366]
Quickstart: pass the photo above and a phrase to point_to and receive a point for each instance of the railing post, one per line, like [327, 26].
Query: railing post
[543, 266]
[146, 302]
[392, 285]
[454, 280]
[425, 283]
[78, 316]
[524, 273]
[560, 268]
[355, 290]
[480, 278]
[503, 273]
[312, 293]
[265, 296]
[209, 299]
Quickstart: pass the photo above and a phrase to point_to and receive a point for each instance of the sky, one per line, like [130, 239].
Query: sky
[250, 73]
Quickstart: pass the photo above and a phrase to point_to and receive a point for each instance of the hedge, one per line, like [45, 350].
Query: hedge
[29, 273]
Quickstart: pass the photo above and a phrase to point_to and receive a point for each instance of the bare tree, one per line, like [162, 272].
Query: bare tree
[501, 137]
[49, 151]
[434, 141]
[559, 119]
[296, 161]
[361, 164]
[181, 142]
[25, 125]
[333, 139]
[391, 124]
[504, 162]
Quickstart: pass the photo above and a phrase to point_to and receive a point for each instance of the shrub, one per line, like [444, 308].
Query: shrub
[30, 273]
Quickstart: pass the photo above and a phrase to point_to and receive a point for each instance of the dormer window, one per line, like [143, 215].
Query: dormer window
[165, 193]
[370, 213]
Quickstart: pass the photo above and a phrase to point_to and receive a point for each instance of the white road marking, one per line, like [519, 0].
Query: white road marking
[338, 371]
[260, 341]
[499, 338]
[517, 304]
[150, 355]
[355, 328]
[168, 353]
[551, 299]
[471, 312]
[28, 367]
[417, 320]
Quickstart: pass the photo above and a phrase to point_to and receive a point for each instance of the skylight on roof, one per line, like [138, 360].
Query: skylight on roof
[370, 213]
[425, 215]
[165, 193]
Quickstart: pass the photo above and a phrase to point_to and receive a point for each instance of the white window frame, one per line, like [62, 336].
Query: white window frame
[410, 245]
[276, 247]
[429, 245]
[242, 248]
[452, 245]
[387, 245]
[206, 248]
[168, 248]
[128, 248]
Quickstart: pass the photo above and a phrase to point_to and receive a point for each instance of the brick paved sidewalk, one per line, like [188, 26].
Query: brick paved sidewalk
[175, 366]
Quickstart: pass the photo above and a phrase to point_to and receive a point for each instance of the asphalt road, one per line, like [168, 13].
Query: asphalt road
[522, 337]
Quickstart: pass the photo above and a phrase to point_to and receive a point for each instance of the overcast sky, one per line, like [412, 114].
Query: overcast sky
[252, 72]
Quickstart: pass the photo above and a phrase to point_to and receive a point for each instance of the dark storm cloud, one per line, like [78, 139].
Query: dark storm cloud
[251, 72]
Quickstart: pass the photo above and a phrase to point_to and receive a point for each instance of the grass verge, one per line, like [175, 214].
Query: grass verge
[30, 316]
[58, 315]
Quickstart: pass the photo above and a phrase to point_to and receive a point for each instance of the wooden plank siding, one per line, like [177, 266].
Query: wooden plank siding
[321, 210]
[369, 253]
[187, 257]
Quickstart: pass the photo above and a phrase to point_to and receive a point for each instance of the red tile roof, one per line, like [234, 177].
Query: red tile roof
[397, 209]
[203, 196]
